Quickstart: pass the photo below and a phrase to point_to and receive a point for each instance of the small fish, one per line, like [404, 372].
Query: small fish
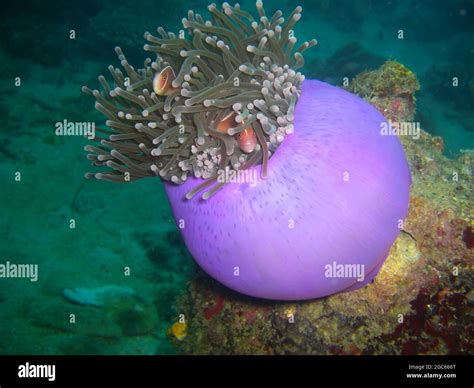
[247, 140]
[162, 82]
[97, 297]
[227, 122]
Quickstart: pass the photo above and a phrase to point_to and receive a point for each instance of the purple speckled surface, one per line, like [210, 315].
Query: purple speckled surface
[352, 221]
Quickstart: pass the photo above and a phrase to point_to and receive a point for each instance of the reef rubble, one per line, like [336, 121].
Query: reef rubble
[420, 302]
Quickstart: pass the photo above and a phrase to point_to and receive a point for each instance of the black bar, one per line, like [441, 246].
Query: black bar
[138, 371]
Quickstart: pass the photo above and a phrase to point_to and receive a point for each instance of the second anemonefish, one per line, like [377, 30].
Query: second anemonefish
[246, 140]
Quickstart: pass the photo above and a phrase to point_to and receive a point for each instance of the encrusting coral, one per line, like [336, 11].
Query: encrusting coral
[221, 97]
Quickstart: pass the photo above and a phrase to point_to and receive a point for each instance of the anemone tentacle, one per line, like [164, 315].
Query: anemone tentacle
[187, 112]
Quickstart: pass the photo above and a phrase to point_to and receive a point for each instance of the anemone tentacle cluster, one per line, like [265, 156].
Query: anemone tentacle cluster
[221, 94]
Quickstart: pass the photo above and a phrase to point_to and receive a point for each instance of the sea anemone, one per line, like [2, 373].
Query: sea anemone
[221, 98]
[331, 190]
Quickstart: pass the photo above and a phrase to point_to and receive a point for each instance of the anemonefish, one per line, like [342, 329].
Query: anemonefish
[162, 81]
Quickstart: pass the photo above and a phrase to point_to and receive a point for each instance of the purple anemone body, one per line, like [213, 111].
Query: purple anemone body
[335, 194]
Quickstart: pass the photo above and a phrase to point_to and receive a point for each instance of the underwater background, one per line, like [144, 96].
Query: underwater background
[124, 245]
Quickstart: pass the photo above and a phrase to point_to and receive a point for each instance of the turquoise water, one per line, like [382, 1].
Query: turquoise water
[91, 234]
